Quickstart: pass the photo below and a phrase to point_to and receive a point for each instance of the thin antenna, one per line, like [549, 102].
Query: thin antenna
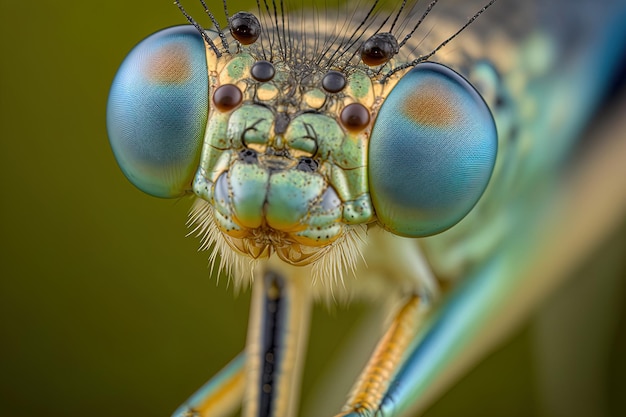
[357, 50]
[281, 47]
[226, 10]
[441, 45]
[330, 38]
[351, 41]
[217, 25]
[397, 16]
[199, 28]
[261, 18]
[419, 22]
[271, 40]
[285, 38]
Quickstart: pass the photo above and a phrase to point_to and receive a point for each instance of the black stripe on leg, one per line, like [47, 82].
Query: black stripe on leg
[274, 310]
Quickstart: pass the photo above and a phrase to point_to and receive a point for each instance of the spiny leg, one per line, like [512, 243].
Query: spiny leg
[388, 356]
[441, 344]
[492, 299]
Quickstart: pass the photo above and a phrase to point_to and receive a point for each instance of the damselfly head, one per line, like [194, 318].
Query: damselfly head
[297, 132]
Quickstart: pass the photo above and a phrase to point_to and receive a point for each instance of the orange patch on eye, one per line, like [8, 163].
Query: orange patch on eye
[431, 106]
[170, 65]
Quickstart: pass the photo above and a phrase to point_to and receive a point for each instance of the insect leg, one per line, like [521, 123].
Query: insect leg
[386, 359]
[220, 396]
[277, 335]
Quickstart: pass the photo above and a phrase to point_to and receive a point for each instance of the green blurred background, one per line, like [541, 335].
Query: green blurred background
[106, 309]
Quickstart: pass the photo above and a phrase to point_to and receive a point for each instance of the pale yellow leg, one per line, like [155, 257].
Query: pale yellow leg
[386, 359]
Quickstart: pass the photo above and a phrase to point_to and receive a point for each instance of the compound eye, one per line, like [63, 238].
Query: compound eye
[157, 111]
[431, 153]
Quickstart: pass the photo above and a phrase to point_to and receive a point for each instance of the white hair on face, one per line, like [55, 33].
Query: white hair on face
[342, 256]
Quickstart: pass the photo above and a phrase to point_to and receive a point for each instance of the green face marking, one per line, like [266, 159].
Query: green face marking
[313, 143]
[301, 146]
[281, 171]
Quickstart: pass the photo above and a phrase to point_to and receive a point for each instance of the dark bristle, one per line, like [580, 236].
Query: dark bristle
[226, 10]
[441, 45]
[199, 28]
[395, 19]
[325, 41]
[350, 42]
[419, 22]
[217, 25]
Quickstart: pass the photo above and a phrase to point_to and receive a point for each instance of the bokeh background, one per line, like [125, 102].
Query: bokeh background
[107, 309]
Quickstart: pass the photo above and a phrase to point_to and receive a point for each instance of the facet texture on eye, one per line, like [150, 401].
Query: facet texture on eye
[157, 111]
[432, 151]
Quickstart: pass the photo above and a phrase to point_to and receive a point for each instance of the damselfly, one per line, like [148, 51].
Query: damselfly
[406, 152]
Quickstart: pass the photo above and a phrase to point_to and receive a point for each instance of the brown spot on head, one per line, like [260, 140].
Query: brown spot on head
[226, 97]
[355, 117]
[170, 65]
[433, 106]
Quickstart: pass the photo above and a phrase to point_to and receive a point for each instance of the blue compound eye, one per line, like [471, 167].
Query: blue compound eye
[431, 153]
[157, 111]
